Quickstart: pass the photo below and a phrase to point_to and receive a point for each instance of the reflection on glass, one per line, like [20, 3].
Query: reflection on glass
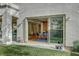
[57, 22]
[56, 31]
[56, 36]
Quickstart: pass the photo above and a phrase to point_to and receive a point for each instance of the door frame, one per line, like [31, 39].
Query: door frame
[48, 16]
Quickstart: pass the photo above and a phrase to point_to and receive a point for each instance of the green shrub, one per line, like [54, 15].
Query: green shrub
[76, 46]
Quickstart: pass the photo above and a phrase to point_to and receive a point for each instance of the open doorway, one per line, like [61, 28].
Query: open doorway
[14, 28]
[47, 29]
[37, 30]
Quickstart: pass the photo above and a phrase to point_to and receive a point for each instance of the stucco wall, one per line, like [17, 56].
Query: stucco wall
[71, 11]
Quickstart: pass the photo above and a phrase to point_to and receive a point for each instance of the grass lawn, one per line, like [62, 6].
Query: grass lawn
[18, 50]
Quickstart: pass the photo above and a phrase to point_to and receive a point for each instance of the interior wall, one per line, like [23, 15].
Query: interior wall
[45, 26]
[33, 27]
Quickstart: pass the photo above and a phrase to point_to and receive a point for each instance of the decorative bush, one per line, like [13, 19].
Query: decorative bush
[76, 46]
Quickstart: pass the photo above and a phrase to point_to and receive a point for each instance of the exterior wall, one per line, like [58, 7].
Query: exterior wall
[72, 16]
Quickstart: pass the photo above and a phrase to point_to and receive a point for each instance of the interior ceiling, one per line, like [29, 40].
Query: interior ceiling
[37, 18]
[14, 19]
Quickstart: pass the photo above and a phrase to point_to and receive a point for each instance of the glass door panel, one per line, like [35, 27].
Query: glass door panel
[56, 29]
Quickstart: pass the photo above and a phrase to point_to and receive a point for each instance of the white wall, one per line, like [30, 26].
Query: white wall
[71, 11]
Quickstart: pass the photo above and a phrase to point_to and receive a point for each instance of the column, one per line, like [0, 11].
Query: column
[26, 30]
[6, 27]
[41, 27]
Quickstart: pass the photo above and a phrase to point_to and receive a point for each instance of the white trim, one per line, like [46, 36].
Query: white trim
[64, 30]
[49, 30]
[26, 30]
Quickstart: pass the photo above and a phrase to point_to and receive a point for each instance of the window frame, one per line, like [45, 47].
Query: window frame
[64, 28]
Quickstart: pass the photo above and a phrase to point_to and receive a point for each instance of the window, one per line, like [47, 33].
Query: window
[56, 29]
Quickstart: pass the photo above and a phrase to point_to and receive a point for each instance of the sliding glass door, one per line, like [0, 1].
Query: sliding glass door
[57, 29]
